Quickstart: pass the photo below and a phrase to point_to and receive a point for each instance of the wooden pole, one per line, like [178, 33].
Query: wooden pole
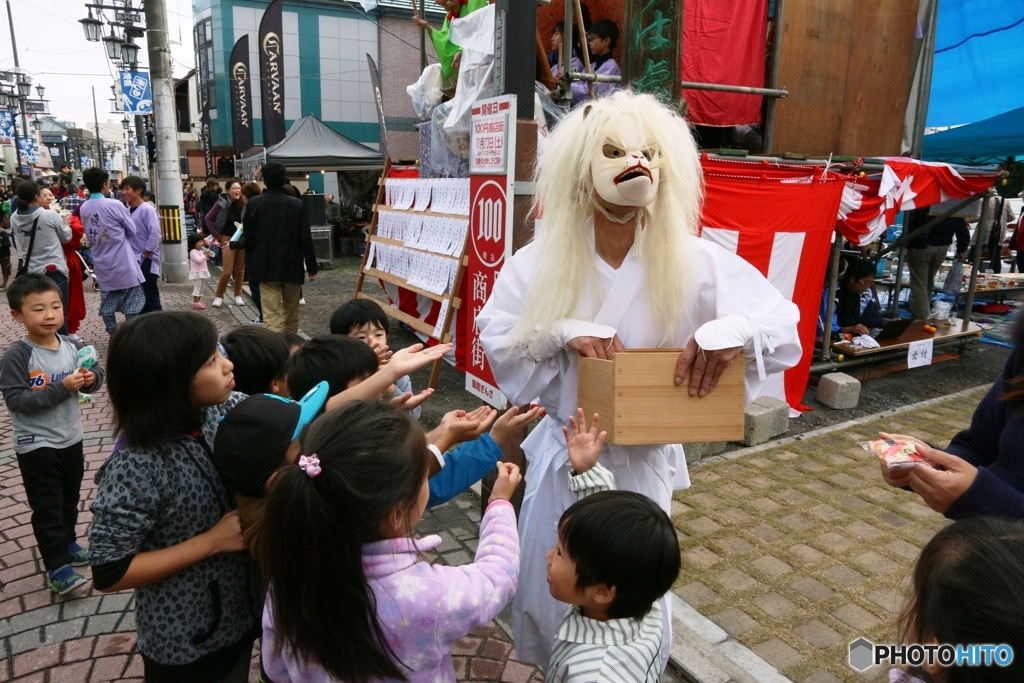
[578, 14]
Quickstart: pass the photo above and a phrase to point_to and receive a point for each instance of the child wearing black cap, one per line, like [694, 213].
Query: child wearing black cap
[254, 439]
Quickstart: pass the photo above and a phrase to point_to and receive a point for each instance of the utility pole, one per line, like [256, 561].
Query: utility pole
[17, 69]
[96, 122]
[173, 255]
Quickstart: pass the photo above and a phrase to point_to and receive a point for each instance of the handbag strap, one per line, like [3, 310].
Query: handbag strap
[31, 243]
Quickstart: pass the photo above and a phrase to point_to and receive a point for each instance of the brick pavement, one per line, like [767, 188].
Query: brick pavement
[87, 636]
[797, 550]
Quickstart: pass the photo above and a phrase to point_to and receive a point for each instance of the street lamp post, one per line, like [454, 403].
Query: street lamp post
[166, 182]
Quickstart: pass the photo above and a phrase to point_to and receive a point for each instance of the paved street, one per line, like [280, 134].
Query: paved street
[797, 550]
[87, 636]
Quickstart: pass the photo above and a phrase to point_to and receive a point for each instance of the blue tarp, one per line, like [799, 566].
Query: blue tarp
[988, 141]
[979, 54]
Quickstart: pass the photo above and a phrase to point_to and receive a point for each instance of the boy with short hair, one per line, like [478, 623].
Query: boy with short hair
[40, 380]
[110, 230]
[616, 556]
[365, 320]
[259, 356]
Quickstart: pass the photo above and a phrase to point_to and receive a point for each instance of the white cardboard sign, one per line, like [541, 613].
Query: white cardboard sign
[920, 353]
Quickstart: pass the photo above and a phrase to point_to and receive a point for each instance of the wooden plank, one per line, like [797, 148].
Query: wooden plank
[878, 77]
[595, 391]
[412, 322]
[637, 390]
[401, 282]
[397, 243]
[377, 208]
[813, 65]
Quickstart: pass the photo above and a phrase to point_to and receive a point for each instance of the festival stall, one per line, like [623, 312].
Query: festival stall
[312, 145]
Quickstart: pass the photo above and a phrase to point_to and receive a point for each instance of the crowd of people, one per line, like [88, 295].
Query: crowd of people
[272, 486]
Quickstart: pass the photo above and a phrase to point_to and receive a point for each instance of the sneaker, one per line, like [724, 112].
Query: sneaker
[79, 555]
[64, 580]
[199, 305]
[257, 320]
[3, 288]
[217, 302]
[302, 301]
[238, 301]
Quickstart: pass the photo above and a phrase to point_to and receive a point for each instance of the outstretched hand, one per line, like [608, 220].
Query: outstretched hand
[941, 484]
[459, 426]
[511, 421]
[584, 446]
[409, 401]
[414, 357]
[705, 367]
[420, 21]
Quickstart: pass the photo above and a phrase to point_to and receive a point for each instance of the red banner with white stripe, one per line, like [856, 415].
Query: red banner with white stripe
[870, 204]
[780, 219]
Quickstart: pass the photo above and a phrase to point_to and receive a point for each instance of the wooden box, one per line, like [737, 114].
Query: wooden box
[639, 403]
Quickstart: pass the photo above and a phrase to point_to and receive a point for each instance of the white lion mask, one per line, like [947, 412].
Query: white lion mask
[625, 167]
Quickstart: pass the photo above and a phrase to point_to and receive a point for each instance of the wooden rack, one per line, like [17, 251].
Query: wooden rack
[450, 302]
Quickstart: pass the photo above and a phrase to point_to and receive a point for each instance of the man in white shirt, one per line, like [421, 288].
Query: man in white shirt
[616, 264]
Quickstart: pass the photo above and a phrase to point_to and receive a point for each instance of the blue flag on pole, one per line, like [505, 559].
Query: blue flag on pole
[29, 150]
[137, 94]
[6, 128]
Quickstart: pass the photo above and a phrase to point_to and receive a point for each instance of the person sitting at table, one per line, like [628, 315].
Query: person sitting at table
[981, 472]
[856, 310]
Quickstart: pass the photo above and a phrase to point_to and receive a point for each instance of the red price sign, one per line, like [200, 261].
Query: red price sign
[489, 217]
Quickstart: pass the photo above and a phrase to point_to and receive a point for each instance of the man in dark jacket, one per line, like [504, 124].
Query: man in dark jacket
[275, 231]
[209, 197]
[926, 252]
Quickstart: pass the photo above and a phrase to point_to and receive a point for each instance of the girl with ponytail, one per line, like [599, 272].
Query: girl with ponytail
[349, 599]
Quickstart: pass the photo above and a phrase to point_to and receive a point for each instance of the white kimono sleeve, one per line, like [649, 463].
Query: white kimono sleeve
[527, 374]
[745, 310]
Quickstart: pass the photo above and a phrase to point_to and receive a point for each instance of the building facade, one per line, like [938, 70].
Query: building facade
[325, 44]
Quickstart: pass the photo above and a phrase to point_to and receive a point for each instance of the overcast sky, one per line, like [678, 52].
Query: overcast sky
[53, 49]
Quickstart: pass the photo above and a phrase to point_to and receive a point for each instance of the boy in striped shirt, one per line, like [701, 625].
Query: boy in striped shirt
[617, 554]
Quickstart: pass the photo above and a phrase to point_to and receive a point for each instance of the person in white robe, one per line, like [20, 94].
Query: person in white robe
[616, 264]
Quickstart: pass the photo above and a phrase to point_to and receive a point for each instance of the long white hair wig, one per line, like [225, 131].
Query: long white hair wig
[566, 196]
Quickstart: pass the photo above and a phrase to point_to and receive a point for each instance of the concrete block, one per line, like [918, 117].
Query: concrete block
[695, 452]
[838, 390]
[765, 419]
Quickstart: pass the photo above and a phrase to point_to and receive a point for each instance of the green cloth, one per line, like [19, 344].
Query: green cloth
[443, 45]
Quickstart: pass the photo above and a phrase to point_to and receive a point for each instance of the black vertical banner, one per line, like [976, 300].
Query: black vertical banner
[204, 134]
[378, 100]
[241, 97]
[272, 74]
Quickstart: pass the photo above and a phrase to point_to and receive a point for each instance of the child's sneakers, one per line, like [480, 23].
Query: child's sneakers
[64, 580]
[199, 305]
[79, 555]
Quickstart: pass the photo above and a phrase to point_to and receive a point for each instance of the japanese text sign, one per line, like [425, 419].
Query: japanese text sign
[136, 92]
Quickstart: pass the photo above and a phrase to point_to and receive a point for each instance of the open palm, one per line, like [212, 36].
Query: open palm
[584, 445]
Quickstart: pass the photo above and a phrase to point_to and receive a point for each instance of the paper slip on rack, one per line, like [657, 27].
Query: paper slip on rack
[417, 242]
[639, 402]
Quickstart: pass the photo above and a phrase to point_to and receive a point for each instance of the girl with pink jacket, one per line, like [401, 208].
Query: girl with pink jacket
[350, 600]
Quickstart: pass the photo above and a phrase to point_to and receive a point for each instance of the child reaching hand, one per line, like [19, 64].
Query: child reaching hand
[616, 556]
[349, 599]
[198, 273]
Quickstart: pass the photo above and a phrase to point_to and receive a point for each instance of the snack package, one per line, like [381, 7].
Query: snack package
[897, 455]
[86, 358]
